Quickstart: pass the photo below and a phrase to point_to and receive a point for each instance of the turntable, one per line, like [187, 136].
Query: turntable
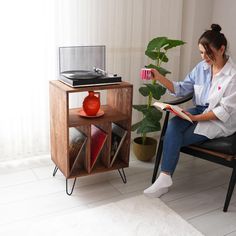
[82, 78]
[81, 66]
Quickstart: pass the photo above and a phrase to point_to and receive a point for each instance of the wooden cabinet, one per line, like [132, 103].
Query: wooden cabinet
[118, 109]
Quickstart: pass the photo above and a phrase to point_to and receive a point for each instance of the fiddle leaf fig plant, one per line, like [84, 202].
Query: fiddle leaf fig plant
[156, 50]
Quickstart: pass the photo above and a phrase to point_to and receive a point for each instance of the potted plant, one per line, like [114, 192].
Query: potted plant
[157, 51]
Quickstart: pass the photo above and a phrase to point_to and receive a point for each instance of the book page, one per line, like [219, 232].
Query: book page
[174, 109]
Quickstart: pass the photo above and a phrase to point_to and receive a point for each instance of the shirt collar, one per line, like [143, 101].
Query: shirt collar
[227, 67]
[225, 70]
[206, 66]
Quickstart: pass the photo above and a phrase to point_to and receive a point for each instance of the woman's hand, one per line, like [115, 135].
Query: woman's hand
[202, 117]
[192, 117]
[156, 75]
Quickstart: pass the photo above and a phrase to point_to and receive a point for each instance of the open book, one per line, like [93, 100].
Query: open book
[174, 109]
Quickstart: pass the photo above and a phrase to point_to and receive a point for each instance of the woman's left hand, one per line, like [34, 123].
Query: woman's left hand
[202, 117]
[192, 117]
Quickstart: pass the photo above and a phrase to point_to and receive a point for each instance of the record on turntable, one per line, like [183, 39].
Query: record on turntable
[81, 74]
[80, 78]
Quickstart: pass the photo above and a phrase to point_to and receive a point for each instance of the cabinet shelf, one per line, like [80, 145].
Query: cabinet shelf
[117, 109]
[110, 114]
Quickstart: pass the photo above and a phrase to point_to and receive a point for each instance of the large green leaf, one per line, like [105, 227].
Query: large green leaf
[157, 90]
[136, 126]
[154, 115]
[147, 126]
[160, 69]
[157, 43]
[154, 55]
[173, 43]
[151, 121]
[144, 91]
[141, 108]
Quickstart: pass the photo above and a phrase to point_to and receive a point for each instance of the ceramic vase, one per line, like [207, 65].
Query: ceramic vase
[91, 103]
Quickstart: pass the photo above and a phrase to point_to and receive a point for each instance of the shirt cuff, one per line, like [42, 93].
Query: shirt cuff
[176, 89]
[221, 113]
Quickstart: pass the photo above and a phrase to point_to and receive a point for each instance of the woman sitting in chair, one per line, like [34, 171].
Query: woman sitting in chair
[213, 83]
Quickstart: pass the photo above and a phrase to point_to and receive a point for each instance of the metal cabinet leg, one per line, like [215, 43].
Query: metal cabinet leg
[122, 175]
[55, 171]
[69, 193]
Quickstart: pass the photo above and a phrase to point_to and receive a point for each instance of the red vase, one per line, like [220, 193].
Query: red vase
[91, 103]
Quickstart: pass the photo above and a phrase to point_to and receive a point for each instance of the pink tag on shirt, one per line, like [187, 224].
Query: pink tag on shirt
[219, 88]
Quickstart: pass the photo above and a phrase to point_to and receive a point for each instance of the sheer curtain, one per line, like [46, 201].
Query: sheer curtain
[27, 61]
[125, 27]
[28, 56]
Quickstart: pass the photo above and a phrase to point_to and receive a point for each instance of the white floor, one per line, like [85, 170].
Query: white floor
[28, 191]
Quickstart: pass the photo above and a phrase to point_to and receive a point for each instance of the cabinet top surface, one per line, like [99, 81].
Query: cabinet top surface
[69, 89]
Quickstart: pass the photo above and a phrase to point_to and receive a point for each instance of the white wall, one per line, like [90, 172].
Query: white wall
[224, 14]
[198, 15]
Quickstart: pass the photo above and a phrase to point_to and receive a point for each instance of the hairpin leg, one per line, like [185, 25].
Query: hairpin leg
[122, 175]
[69, 193]
[55, 171]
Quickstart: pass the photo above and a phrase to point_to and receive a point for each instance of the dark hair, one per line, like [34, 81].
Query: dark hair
[213, 38]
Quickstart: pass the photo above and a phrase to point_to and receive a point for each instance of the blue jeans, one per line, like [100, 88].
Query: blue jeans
[179, 133]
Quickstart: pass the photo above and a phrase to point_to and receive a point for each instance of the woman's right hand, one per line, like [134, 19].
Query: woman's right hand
[156, 74]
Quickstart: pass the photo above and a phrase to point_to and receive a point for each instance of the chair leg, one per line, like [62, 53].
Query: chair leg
[230, 189]
[157, 161]
[160, 147]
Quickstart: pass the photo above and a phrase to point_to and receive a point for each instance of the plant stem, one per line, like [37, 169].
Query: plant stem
[143, 138]
[149, 99]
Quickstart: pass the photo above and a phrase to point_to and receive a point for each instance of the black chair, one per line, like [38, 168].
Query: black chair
[219, 150]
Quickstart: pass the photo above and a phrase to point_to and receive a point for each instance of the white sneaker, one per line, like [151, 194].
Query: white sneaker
[155, 193]
[160, 186]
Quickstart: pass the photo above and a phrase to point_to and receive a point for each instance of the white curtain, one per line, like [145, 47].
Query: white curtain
[27, 62]
[28, 56]
[125, 27]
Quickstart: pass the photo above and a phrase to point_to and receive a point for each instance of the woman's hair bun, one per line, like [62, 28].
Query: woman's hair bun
[216, 27]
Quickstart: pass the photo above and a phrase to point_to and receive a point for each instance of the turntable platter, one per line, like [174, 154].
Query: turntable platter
[81, 74]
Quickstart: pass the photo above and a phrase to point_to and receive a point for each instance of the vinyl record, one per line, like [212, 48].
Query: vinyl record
[81, 74]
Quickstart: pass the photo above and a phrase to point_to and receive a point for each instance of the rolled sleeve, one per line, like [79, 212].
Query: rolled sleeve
[221, 113]
[176, 90]
[182, 88]
[226, 107]
[196, 76]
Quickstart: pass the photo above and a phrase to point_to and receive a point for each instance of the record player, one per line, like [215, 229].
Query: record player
[82, 78]
[81, 66]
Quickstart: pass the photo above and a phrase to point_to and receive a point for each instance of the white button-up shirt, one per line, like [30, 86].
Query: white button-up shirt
[219, 92]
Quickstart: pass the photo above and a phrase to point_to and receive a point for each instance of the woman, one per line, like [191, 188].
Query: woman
[213, 82]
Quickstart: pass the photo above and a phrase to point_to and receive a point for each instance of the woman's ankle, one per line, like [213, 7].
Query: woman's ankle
[166, 173]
